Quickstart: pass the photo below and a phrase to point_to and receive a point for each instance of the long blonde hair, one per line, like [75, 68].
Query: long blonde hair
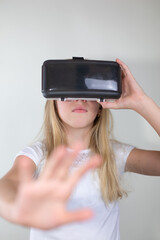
[54, 135]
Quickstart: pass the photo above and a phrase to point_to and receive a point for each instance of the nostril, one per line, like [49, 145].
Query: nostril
[80, 100]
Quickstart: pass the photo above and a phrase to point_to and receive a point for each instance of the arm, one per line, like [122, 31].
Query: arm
[148, 109]
[143, 162]
[133, 97]
[9, 185]
[26, 201]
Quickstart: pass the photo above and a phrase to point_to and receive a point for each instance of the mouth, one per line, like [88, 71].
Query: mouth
[79, 110]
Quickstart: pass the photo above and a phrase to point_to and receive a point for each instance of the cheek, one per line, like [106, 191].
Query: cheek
[62, 111]
[95, 108]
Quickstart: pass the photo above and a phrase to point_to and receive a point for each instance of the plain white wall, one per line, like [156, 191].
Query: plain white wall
[33, 31]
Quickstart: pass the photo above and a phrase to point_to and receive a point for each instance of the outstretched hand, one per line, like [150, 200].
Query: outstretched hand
[132, 93]
[42, 203]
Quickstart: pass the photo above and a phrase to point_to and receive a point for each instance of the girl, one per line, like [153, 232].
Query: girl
[47, 201]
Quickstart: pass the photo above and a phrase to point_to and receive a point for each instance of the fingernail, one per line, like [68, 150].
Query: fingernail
[78, 145]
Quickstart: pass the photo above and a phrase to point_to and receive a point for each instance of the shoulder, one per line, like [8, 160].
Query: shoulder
[121, 152]
[120, 148]
[35, 151]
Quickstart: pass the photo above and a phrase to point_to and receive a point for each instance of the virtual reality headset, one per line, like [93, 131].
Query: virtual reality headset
[78, 78]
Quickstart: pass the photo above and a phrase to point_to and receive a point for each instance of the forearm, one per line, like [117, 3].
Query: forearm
[148, 109]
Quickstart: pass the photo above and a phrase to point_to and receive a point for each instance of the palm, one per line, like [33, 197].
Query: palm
[42, 203]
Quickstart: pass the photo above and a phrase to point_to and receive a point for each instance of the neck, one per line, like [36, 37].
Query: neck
[80, 135]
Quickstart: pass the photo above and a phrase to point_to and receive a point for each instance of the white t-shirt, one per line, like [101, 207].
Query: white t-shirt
[105, 223]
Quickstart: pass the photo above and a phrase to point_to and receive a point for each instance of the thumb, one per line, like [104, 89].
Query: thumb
[78, 215]
[111, 105]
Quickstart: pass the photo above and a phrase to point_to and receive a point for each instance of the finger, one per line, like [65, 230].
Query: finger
[94, 162]
[60, 160]
[122, 64]
[78, 145]
[130, 81]
[111, 105]
[53, 161]
[63, 169]
[25, 170]
[124, 67]
[78, 215]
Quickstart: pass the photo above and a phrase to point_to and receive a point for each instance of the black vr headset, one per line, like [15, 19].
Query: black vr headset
[77, 78]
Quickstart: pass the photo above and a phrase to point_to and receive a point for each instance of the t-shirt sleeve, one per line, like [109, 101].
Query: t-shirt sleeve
[121, 153]
[35, 152]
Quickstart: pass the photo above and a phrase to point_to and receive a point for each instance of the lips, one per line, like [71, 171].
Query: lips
[79, 109]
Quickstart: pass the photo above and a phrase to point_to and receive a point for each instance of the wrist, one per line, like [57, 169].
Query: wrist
[149, 110]
[6, 211]
[142, 103]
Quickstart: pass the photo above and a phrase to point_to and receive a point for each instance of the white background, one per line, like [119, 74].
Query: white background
[34, 31]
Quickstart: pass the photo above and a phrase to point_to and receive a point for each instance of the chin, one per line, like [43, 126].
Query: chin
[79, 124]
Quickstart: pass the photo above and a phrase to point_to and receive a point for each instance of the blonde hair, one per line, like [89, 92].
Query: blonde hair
[54, 135]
